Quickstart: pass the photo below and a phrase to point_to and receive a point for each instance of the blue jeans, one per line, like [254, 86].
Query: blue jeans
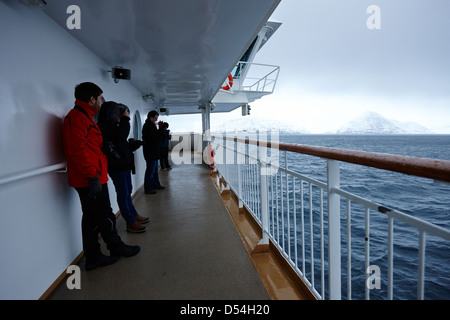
[151, 179]
[122, 182]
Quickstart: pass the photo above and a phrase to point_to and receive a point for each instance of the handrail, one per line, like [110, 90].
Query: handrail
[34, 172]
[413, 221]
[241, 73]
[265, 81]
[422, 167]
[268, 198]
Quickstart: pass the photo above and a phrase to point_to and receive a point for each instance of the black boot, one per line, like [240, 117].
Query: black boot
[99, 261]
[123, 250]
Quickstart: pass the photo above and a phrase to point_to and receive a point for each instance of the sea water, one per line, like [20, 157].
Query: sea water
[419, 197]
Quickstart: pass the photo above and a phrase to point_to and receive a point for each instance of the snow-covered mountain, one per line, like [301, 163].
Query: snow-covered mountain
[367, 123]
[373, 123]
[254, 124]
[442, 130]
[412, 127]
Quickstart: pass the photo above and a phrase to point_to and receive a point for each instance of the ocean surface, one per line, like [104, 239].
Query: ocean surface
[419, 197]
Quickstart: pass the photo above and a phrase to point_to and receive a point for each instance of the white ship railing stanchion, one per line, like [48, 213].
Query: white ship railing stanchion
[239, 160]
[264, 204]
[334, 230]
[367, 250]
[287, 207]
[421, 275]
[349, 251]
[390, 257]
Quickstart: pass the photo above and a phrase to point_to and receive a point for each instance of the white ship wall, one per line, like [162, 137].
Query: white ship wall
[40, 217]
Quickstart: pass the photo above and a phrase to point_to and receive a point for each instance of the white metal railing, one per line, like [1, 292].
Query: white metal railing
[60, 167]
[294, 219]
[255, 77]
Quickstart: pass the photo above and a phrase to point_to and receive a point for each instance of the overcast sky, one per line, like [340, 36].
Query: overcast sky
[333, 67]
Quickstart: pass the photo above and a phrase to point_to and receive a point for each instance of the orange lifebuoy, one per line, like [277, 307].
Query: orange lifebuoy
[230, 83]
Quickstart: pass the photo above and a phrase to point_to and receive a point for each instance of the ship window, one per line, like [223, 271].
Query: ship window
[137, 126]
[240, 67]
[247, 53]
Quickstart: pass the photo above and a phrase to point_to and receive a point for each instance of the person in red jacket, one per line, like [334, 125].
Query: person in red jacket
[87, 168]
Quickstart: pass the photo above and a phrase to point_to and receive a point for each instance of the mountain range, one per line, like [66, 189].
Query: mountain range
[373, 123]
[366, 123]
[254, 124]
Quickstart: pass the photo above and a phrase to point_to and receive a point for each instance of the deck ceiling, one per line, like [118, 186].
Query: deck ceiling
[179, 52]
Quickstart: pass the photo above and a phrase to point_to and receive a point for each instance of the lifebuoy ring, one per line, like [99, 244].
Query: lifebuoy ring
[230, 83]
[211, 157]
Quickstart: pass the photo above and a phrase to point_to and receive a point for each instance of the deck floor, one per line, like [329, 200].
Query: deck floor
[191, 249]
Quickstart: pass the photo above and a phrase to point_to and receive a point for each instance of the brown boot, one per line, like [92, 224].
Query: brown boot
[142, 220]
[136, 228]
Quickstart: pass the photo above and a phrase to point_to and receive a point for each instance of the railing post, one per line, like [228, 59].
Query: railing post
[239, 168]
[334, 230]
[421, 275]
[264, 204]
[226, 159]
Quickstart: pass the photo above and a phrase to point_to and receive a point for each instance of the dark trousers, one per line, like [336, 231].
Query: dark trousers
[151, 178]
[164, 158]
[98, 218]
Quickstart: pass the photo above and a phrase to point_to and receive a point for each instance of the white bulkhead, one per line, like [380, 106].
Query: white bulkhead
[40, 215]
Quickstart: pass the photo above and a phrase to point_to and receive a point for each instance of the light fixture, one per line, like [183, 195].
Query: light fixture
[245, 109]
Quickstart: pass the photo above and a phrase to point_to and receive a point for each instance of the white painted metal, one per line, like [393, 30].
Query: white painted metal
[179, 52]
[367, 249]
[334, 230]
[60, 167]
[264, 191]
[349, 250]
[40, 215]
[295, 221]
[311, 235]
[302, 223]
[421, 267]
[322, 247]
[390, 258]
[278, 234]
[181, 56]
[206, 124]
[258, 80]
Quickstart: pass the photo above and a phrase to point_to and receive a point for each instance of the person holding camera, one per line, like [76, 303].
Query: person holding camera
[87, 173]
[165, 139]
[152, 153]
[114, 123]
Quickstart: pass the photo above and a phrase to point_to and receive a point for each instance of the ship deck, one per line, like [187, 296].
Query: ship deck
[192, 250]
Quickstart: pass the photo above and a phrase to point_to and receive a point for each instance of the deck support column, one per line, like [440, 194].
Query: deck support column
[206, 124]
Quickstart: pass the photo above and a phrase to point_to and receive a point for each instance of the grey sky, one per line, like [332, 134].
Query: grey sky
[333, 67]
[326, 46]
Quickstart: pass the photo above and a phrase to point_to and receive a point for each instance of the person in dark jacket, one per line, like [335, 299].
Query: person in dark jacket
[165, 138]
[152, 152]
[87, 173]
[114, 122]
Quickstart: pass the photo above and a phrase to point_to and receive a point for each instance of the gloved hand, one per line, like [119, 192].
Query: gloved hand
[134, 144]
[110, 150]
[95, 187]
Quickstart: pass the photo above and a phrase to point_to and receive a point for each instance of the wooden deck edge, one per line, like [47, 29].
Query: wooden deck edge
[280, 280]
